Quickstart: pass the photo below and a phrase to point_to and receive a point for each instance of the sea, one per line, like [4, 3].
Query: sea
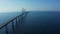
[49, 20]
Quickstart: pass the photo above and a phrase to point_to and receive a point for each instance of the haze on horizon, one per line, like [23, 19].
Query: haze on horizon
[17, 5]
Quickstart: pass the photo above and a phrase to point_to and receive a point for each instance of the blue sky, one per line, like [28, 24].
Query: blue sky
[17, 5]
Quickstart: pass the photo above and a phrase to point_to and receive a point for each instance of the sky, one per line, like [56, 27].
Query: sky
[17, 5]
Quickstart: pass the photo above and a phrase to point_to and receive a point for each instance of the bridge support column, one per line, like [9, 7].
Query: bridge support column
[6, 29]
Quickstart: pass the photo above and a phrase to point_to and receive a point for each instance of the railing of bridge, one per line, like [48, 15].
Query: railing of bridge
[17, 20]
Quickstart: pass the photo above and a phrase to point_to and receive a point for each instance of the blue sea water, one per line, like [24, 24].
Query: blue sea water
[42, 21]
[37, 21]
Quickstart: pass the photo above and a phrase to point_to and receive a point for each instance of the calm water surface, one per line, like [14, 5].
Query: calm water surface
[36, 21]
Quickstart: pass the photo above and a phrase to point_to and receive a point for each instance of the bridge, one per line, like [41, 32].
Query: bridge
[16, 20]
